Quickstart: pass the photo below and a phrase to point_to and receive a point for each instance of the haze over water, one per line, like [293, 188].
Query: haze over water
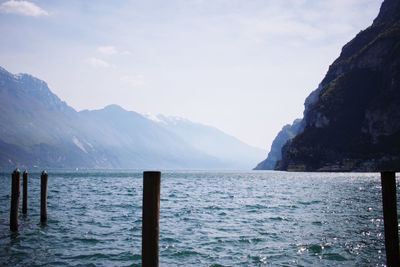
[207, 219]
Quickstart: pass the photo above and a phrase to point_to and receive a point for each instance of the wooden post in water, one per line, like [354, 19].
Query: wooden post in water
[389, 199]
[151, 218]
[25, 192]
[43, 197]
[14, 200]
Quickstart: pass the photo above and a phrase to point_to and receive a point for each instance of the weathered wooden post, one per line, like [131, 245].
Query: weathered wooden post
[43, 197]
[14, 200]
[389, 199]
[25, 192]
[151, 218]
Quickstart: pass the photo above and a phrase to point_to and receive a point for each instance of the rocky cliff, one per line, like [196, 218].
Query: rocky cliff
[352, 121]
[288, 132]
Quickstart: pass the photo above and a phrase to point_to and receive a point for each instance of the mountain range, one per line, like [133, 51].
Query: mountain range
[39, 130]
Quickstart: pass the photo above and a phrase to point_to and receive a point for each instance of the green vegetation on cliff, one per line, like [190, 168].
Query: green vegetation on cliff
[352, 121]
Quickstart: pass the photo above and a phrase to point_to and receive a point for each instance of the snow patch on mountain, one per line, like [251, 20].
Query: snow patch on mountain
[78, 143]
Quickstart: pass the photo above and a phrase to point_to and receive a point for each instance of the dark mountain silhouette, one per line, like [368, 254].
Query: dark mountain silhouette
[352, 121]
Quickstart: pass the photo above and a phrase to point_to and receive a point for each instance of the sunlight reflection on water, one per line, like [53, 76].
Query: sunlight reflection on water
[207, 219]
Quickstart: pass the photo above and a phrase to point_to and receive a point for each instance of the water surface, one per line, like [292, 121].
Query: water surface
[207, 219]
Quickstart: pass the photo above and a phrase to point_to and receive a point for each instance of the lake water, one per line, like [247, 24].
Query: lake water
[207, 219]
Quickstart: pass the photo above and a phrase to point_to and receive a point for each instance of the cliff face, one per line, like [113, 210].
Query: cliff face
[352, 121]
[288, 132]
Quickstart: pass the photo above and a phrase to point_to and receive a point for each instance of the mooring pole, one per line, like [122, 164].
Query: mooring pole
[151, 218]
[389, 199]
[14, 200]
[25, 192]
[43, 197]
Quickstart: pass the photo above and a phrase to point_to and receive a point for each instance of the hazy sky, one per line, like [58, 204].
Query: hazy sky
[243, 66]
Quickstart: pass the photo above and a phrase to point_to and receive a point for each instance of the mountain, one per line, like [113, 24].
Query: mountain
[288, 132]
[211, 141]
[39, 130]
[352, 121]
[137, 142]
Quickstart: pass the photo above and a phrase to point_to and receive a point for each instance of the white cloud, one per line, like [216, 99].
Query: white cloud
[112, 50]
[289, 22]
[126, 53]
[133, 81]
[24, 8]
[97, 62]
[107, 50]
[280, 27]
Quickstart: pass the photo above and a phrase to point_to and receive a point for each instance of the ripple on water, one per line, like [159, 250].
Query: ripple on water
[243, 219]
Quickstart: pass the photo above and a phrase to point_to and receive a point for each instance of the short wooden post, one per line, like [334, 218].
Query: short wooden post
[388, 180]
[25, 192]
[43, 197]
[14, 200]
[151, 218]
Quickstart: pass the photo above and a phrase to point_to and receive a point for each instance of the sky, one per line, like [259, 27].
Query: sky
[243, 66]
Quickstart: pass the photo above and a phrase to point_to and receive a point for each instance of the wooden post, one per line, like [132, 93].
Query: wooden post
[43, 197]
[151, 217]
[14, 200]
[389, 199]
[25, 192]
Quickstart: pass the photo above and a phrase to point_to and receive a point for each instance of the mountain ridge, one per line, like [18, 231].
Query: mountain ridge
[211, 140]
[40, 130]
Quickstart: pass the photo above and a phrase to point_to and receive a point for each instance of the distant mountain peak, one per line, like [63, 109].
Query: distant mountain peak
[114, 107]
[4, 71]
[36, 84]
[156, 118]
[23, 77]
[31, 88]
[160, 118]
[41, 130]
